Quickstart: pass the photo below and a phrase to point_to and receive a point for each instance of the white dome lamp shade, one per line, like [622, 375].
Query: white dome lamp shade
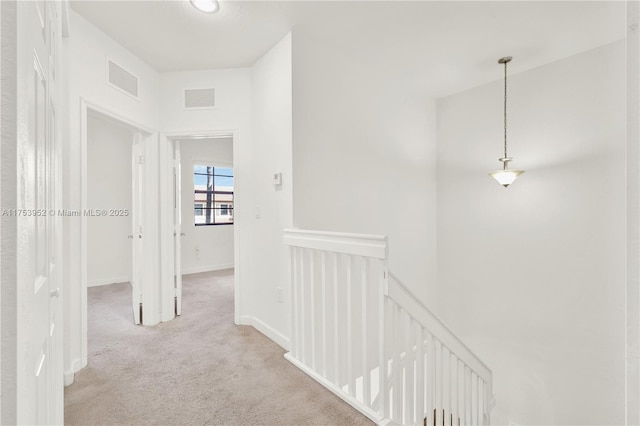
[506, 176]
[206, 6]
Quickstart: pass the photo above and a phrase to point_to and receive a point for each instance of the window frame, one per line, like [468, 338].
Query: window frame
[198, 206]
[230, 204]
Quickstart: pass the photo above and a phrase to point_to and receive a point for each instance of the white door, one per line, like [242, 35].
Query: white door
[177, 220]
[39, 334]
[166, 185]
[153, 287]
[153, 295]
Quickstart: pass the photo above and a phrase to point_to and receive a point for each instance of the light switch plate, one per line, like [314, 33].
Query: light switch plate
[277, 178]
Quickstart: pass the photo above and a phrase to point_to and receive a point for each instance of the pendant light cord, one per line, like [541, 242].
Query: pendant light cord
[505, 111]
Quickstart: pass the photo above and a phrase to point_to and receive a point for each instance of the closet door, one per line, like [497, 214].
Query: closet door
[39, 393]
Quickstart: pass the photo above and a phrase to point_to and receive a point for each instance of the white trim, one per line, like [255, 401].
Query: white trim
[198, 108]
[134, 125]
[107, 281]
[166, 226]
[85, 106]
[206, 268]
[200, 134]
[267, 330]
[368, 245]
[69, 375]
[632, 290]
[84, 112]
[177, 135]
[352, 401]
[199, 161]
[65, 18]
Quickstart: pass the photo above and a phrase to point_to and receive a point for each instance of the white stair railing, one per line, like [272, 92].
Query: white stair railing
[363, 335]
[434, 374]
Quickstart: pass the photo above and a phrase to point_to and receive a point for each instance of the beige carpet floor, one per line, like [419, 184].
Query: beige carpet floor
[199, 369]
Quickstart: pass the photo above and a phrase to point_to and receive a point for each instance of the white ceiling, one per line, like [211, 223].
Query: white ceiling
[445, 46]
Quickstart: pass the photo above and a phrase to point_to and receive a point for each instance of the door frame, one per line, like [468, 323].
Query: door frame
[175, 137]
[86, 107]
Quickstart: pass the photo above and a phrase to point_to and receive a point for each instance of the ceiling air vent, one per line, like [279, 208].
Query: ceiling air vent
[199, 98]
[122, 79]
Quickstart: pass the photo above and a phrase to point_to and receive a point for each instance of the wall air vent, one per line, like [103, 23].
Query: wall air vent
[122, 79]
[199, 98]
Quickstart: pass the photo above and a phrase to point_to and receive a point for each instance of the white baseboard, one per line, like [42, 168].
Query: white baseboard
[106, 281]
[206, 268]
[267, 330]
[69, 375]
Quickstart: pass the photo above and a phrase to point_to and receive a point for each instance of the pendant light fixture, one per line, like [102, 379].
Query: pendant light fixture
[506, 176]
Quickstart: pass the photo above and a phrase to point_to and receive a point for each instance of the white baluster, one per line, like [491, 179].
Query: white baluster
[336, 324]
[482, 402]
[420, 388]
[312, 308]
[467, 396]
[350, 376]
[303, 309]
[479, 400]
[431, 379]
[294, 302]
[382, 361]
[439, 387]
[457, 395]
[486, 399]
[397, 365]
[460, 410]
[366, 378]
[412, 359]
[323, 279]
[474, 398]
[446, 357]
[454, 386]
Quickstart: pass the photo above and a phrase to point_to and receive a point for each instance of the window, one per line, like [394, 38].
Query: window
[213, 195]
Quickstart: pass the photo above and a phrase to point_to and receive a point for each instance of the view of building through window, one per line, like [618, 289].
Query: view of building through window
[213, 195]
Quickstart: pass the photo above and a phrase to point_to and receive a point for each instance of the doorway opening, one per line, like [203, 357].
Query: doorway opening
[106, 212]
[109, 201]
[155, 257]
[205, 200]
[109, 224]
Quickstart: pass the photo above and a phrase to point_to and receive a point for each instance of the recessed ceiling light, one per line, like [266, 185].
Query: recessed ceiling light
[206, 6]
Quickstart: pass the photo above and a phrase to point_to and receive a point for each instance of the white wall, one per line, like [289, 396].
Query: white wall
[108, 188]
[532, 276]
[1, 126]
[633, 215]
[88, 52]
[248, 98]
[267, 267]
[233, 102]
[204, 248]
[160, 107]
[8, 225]
[232, 115]
[364, 157]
